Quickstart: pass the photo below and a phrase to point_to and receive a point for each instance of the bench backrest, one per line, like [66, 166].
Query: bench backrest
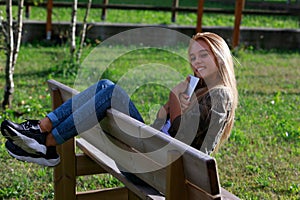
[139, 148]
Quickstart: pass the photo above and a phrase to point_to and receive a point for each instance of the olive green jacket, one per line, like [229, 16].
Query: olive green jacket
[202, 124]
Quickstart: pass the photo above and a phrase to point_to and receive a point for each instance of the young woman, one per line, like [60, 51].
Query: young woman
[208, 115]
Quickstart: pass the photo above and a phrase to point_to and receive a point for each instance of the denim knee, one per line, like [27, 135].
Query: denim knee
[104, 83]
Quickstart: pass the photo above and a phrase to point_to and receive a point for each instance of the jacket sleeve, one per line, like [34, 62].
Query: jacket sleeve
[158, 123]
[202, 126]
[220, 107]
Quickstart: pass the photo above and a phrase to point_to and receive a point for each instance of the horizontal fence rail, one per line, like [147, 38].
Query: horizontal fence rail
[255, 8]
[232, 7]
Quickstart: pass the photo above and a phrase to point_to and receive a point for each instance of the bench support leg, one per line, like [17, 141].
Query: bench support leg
[175, 188]
[132, 196]
[65, 172]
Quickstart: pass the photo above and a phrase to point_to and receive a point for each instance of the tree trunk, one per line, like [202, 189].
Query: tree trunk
[84, 29]
[19, 31]
[73, 29]
[9, 69]
[12, 50]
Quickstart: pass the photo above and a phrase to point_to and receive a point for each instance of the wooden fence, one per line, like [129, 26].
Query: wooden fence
[262, 7]
[238, 7]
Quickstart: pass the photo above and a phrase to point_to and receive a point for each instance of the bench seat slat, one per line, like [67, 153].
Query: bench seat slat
[65, 91]
[126, 158]
[199, 167]
[111, 167]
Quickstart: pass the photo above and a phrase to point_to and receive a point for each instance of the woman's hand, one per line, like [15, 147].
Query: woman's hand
[180, 88]
[178, 100]
[184, 101]
[180, 92]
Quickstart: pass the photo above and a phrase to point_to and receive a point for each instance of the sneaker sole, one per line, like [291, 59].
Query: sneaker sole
[26, 143]
[40, 161]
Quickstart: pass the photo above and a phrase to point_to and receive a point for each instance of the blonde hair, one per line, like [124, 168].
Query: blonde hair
[224, 61]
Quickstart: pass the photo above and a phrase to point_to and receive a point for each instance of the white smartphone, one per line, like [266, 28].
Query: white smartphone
[192, 85]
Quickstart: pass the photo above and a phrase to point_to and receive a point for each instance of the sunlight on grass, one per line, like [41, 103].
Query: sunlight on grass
[260, 160]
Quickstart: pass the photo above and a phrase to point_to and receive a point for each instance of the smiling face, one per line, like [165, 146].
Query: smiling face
[202, 61]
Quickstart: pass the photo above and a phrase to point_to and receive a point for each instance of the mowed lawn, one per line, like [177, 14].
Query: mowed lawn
[260, 160]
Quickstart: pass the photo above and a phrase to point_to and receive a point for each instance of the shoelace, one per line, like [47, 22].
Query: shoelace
[30, 123]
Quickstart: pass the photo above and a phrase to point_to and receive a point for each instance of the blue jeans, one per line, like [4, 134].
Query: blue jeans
[86, 109]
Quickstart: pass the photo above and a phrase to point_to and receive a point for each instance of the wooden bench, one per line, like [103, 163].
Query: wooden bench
[171, 169]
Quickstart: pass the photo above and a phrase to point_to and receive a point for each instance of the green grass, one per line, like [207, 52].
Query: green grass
[264, 147]
[260, 160]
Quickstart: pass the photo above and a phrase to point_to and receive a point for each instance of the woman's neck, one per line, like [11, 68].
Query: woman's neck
[211, 82]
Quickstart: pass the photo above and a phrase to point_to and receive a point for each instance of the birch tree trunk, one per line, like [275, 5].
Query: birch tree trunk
[9, 69]
[12, 50]
[73, 29]
[84, 29]
[19, 31]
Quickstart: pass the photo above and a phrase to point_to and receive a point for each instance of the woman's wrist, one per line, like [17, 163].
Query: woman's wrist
[163, 111]
[175, 108]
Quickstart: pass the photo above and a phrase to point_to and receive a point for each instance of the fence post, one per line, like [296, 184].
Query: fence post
[27, 10]
[49, 19]
[239, 6]
[104, 10]
[174, 10]
[199, 16]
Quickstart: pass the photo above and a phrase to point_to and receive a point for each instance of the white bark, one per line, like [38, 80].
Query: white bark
[19, 31]
[9, 69]
[12, 49]
[73, 29]
[84, 29]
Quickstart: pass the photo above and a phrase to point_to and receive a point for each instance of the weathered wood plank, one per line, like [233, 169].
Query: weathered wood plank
[65, 91]
[176, 187]
[86, 166]
[144, 192]
[65, 172]
[225, 195]
[155, 145]
[120, 193]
